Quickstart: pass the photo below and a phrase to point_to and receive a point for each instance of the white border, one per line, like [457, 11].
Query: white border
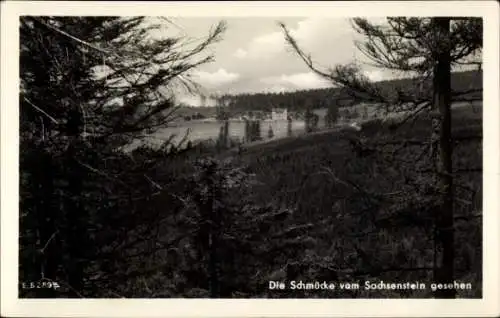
[13, 307]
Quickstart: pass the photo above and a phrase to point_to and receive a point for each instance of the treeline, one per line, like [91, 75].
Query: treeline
[196, 112]
[325, 97]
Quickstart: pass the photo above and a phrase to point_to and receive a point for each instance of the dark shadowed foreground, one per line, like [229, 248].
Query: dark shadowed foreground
[342, 207]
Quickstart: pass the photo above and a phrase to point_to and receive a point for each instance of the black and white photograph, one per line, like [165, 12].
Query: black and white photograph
[218, 156]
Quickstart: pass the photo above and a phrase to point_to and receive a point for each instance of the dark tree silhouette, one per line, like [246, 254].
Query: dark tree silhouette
[426, 48]
[89, 86]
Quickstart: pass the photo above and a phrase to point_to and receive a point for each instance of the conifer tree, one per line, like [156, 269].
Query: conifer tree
[426, 49]
[332, 115]
[89, 86]
[289, 126]
[270, 133]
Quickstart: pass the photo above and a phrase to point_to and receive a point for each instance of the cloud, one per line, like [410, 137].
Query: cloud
[276, 89]
[255, 57]
[309, 33]
[261, 47]
[311, 30]
[307, 80]
[215, 79]
[240, 53]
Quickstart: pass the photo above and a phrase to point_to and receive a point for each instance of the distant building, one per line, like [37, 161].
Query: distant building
[279, 114]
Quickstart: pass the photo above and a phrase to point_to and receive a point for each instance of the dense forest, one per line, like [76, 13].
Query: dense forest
[323, 98]
[393, 201]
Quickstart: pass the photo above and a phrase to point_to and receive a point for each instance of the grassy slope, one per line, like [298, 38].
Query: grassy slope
[334, 187]
[371, 214]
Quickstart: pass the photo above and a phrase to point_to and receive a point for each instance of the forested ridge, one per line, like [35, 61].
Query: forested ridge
[324, 97]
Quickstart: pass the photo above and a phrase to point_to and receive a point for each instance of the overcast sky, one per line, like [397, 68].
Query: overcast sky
[253, 56]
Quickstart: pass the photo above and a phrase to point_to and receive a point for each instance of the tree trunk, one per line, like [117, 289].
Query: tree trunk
[442, 100]
[76, 216]
[247, 130]
[289, 127]
[227, 141]
[47, 218]
[213, 262]
[211, 215]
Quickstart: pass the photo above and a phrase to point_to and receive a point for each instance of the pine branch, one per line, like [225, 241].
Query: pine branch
[41, 110]
[74, 38]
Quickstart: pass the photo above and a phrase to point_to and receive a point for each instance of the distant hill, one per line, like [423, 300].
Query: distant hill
[320, 98]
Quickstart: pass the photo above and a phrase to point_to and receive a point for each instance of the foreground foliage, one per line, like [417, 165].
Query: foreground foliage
[332, 209]
[372, 203]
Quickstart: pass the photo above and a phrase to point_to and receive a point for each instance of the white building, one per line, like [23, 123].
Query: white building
[279, 114]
